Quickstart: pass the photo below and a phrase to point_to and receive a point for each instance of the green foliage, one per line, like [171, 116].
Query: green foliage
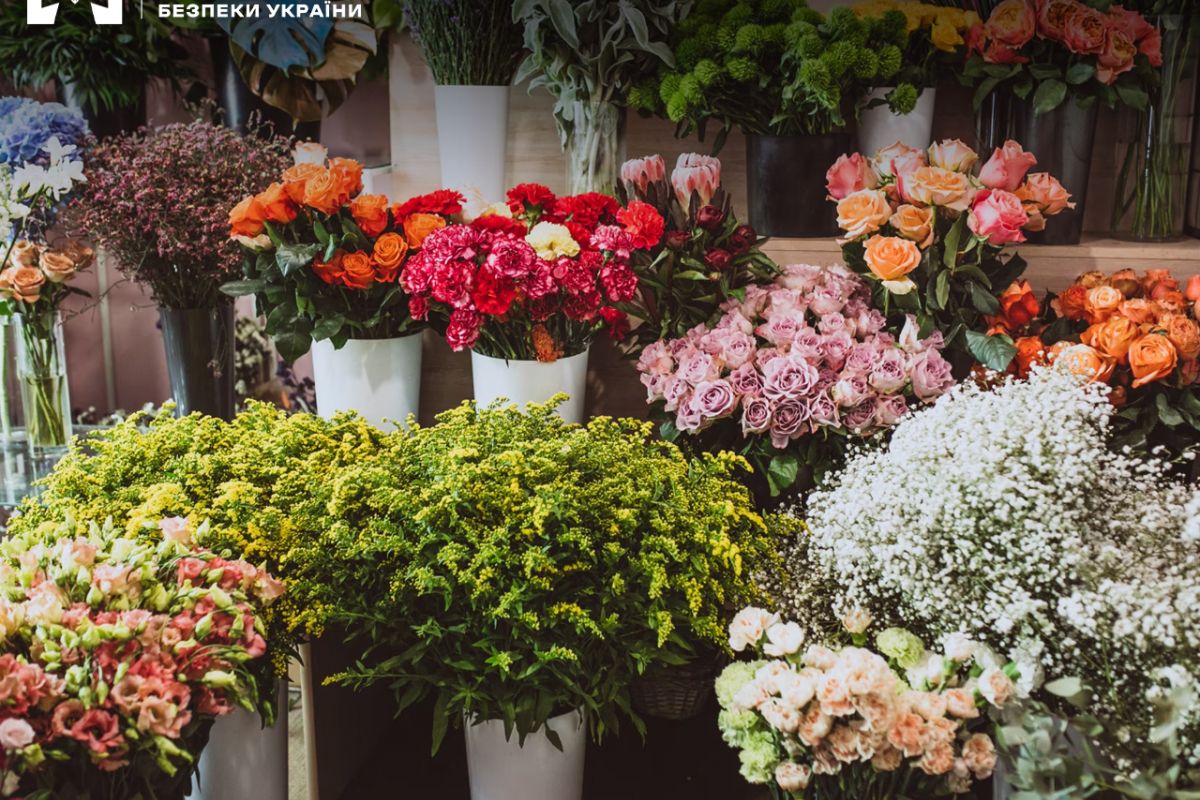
[467, 42]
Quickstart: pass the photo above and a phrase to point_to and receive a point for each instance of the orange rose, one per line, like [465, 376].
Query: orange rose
[321, 192]
[914, 224]
[934, 186]
[417, 228]
[1139, 310]
[57, 265]
[357, 270]
[890, 257]
[1171, 299]
[347, 174]
[1030, 351]
[1082, 360]
[1193, 288]
[389, 253]
[330, 271]
[1092, 279]
[1018, 305]
[1112, 337]
[1156, 278]
[1152, 358]
[1071, 303]
[1183, 333]
[294, 179]
[277, 206]
[23, 283]
[370, 212]
[80, 253]
[1102, 302]
[247, 218]
[24, 254]
[1126, 281]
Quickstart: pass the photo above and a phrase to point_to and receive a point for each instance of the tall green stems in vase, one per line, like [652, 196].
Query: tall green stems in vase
[1152, 180]
[595, 147]
[42, 373]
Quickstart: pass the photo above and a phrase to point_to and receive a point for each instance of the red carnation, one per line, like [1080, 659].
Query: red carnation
[588, 209]
[617, 322]
[643, 223]
[492, 294]
[445, 202]
[526, 196]
[495, 223]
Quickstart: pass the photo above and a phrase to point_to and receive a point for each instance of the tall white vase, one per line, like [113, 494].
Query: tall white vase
[378, 378]
[503, 769]
[472, 127]
[532, 382]
[243, 760]
[878, 127]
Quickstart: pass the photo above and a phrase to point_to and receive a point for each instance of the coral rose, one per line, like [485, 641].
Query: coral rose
[952, 154]
[891, 258]
[1085, 31]
[998, 217]
[1151, 47]
[357, 270]
[1031, 351]
[862, 212]
[1071, 303]
[417, 228]
[1007, 167]
[849, 174]
[388, 254]
[1112, 337]
[1052, 17]
[247, 218]
[1012, 23]
[1101, 302]
[277, 205]
[1152, 358]
[1042, 190]
[1116, 58]
[934, 186]
[1082, 360]
[1139, 310]
[370, 212]
[1184, 334]
[322, 192]
[295, 178]
[330, 271]
[23, 283]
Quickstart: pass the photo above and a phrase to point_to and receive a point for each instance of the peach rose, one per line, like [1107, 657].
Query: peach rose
[23, 283]
[1193, 288]
[1082, 360]
[1071, 303]
[1043, 191]
[1185, 335]
[322, 191]
[24, 254]
[998, 217]
[1012, 23]
[390, 250]
[357, 270]
[295, 177]
[952, 154]
[417, 228]
[370, 212]
[277, 205]
[347, 174]
[1101, 302]
[960, 703]
[247, 218]
[897, 159]
[1052, 17]
[862, 212]
[1112, 337]
[1139, 310]
[934, 186]
[1156, 278]
[1030, 351]
[1007, 167]
[1085, 31]
[1092, 278]
[891, 258]
[58, 266]
[979, 754]
[849, 174]
[1116, 58]
[914, 224]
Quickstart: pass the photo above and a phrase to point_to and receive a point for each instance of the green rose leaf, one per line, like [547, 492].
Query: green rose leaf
[782, 472]
[1080, 73]
[985, 302]
[994, 352]
[292, 258]
[1168, 415]
[243, 288]
[1049, 95]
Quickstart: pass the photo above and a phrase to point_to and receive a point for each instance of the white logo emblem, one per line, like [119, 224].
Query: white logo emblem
[106, 12]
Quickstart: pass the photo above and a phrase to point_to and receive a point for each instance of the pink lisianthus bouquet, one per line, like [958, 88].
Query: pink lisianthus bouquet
[535, 280]
[813, 719]
[928, 229]
[791, 372]
[119, 654]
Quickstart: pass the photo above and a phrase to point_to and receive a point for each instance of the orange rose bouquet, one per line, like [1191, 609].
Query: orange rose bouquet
[323, 259]
[928, 230]
[1140, 335]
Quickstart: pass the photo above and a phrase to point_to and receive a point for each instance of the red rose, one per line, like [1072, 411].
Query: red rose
[743, 238]
[718, 259]
[643, 223]
[492, 294]
[710, 218]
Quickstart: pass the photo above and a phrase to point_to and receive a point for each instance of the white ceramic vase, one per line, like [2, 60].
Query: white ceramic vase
[378, 378]
[878, 127]
[243, 760]
[532, 382]
[504, 769]
[472, 127]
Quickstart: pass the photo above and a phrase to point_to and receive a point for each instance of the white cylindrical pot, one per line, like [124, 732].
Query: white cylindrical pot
[878, 127]
[504, 769]
[532, 382]
[472, 128]
[378, 378]
[243, 760]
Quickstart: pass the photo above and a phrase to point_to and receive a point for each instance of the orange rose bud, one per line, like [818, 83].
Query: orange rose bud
[357, 270]
[1018, 305]
[890, 257]
[418, 227]
[1071, 303]
[347, 174]
[329, 271]
[321, 193]
[1102, 302]
[247, 218]
[1183, 333]
[1170, 299]
[370, 212]
[1152, 358]
[1112, 337]
[1030, 352]
[295, 177]
[277, 206]
[389, 253]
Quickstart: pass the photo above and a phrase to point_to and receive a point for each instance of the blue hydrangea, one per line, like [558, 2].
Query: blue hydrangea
[26, 125]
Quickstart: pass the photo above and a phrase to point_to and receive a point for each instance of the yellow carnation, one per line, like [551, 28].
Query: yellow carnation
[552, 241]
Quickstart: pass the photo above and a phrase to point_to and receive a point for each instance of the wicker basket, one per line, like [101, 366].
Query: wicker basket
[675, 693]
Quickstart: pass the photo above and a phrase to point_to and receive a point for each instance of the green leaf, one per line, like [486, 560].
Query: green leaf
[242, 288]
[1049, 96]
[985, 302]
[942, 289]
[951, 242]
[994, 352]
[1169, 416]
[563, 17]
[295, 257]
[691, 275]
[782, 472]
[328, 327]
[1132, 95]
[1080, 73]
[292, 344]
[1064, 687]
[440, 720]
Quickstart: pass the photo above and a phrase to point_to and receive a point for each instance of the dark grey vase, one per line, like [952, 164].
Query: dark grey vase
[1062, 142]
[785, 181]
[199, 344]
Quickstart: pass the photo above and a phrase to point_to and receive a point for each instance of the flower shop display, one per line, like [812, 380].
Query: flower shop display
[323, 261]
[1040, 71]
[790, 374]
[157, 201]
[705, 257]
[784, 75]
[928, 231]
[120, 653]
[1018, 550]
[589, 55]
[527, 287]
[869, 720]
[934, 48]
[473, 50]
[591, 554]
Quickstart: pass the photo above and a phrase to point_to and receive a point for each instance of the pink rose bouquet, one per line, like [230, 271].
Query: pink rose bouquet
[813, 720]
[536, 280]
[119, 654]
[928, 230]
[792, 371]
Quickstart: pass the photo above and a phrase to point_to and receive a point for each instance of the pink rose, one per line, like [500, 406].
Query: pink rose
[781, 329]
[997, 216]
[788, 377]
[800, 277]
[1007, 167]
[713, 399]
[1085, 31]
[932, 375]
[756, 415]
[860, 360]
[698, 176]
[889, 409]
[822, 410]
[897, 159]
[849, 174]
[835, 348]
[788, 418]
[738, 349]
[696, 366]
[860, 418]
[746, 380]
[889, 374]
[655, 360]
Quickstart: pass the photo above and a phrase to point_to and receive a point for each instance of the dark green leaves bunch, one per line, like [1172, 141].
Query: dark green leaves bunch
[467, 42]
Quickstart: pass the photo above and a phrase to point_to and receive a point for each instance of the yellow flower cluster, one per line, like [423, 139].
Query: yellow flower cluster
[946, 25]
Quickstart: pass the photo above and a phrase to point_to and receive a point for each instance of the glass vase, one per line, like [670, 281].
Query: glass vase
[42, 376]
[10, 406]
[595, 147]
[1154, 145]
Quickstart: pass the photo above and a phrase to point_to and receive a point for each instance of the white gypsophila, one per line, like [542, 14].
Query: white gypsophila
[1002, 514]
